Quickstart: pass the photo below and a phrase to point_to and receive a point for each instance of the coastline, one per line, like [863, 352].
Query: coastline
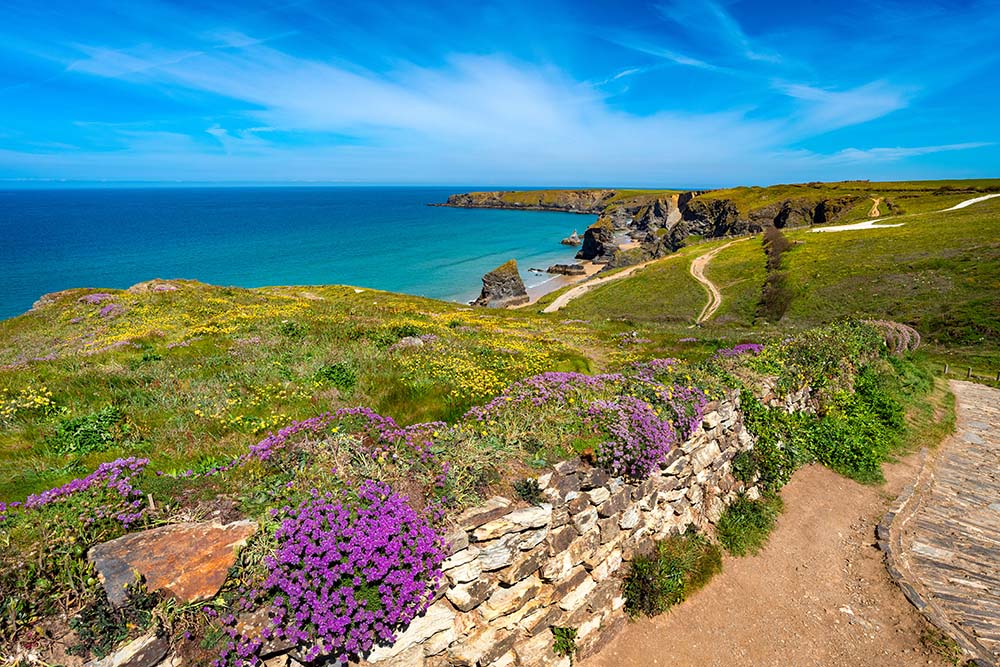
[558, 281]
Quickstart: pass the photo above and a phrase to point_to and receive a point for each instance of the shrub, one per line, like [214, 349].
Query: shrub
[348, 572]
[675, 568]
[43, 565]
[745, 525]
[340, 374]
[94, 432]
[640, 439]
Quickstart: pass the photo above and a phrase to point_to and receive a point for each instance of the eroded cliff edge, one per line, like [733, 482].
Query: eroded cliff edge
[635, 226]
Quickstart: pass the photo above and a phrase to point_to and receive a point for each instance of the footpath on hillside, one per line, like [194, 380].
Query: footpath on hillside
[818, 594]
[698, 273]
[943, 538]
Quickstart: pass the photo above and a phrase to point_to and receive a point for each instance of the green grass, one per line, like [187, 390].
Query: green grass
[939, 272]
[675, 568]
[201, 372]
[745, 525]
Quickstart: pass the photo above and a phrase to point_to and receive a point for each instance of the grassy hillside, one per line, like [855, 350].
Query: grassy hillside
[197, 372]
[174, 401]
[939, 272]
[906, 196]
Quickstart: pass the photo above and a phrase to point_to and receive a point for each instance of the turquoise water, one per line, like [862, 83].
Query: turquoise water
[384, 238]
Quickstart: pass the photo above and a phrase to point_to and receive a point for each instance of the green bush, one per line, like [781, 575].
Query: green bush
[676, 567]
[100, 627]
[94, 432]
[341, 375]
[745, 525]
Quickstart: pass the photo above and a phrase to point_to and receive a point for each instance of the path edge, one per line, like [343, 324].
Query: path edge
[889, 534]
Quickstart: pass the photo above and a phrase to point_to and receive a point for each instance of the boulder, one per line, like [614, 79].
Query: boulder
[502, 287]
[567, 269]
[572, 239]
[189, 561]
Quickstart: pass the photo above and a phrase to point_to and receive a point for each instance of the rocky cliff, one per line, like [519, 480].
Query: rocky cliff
[569, 201]
[659, 222]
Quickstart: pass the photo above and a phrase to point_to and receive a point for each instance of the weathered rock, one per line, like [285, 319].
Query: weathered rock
[145, 651]
[186, 560]
[573, 239]
[517, 521]
[598, 242]
[467, 597]
[439, 617]
[567, 269]
[507, 600]
[502, 287]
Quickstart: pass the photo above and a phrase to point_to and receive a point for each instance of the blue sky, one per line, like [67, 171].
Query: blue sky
[541, 92]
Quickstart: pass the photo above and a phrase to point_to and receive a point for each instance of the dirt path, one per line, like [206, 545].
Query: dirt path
[871, 224]
[873, 212]
[698, 273]
[583, 288]
[817, 595]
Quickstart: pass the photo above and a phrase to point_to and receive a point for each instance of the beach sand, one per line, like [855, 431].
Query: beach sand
[557, 281]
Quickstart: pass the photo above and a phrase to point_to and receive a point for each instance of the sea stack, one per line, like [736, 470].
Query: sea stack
[573, 239]
[502, 288]
[598, 242]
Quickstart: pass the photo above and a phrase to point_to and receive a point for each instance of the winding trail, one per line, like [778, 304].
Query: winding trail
[873, 213]
[872, 224]
[585, 287]
[698, 273]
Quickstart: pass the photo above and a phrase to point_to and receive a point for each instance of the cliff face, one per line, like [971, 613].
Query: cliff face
[659, 223]
[571, 201]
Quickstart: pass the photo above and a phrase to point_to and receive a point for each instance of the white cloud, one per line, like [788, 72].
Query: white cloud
[825, 110]
[855, 155]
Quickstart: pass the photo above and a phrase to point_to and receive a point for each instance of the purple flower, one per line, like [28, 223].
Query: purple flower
[349, 572]
[738, 350]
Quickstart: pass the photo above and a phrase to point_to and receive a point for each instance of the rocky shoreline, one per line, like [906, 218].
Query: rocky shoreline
[636, 227]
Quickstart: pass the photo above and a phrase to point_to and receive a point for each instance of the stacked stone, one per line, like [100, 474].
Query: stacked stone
[514, 572]
[517, 572]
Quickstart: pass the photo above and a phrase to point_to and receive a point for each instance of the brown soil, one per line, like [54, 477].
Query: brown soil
[817, 595]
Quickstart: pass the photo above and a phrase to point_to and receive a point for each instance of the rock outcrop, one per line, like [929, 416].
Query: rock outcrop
[186, 560]
[502, 288]
[599, 242]
[572, 239]
[567, 269]
[659, 223]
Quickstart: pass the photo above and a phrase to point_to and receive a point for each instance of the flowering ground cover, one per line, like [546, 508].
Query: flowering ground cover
[186, 395]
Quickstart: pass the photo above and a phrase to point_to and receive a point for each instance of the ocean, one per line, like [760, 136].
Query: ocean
[379, 237]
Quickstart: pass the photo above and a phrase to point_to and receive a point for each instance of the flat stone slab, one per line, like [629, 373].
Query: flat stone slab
[189, 561]
[952, 542]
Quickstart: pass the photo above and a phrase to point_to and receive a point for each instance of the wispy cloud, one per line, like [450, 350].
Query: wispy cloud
[885, 154]
[721, 26]
[825, 110]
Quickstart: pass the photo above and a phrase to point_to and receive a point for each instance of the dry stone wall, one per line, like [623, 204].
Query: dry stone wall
[515, 572]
